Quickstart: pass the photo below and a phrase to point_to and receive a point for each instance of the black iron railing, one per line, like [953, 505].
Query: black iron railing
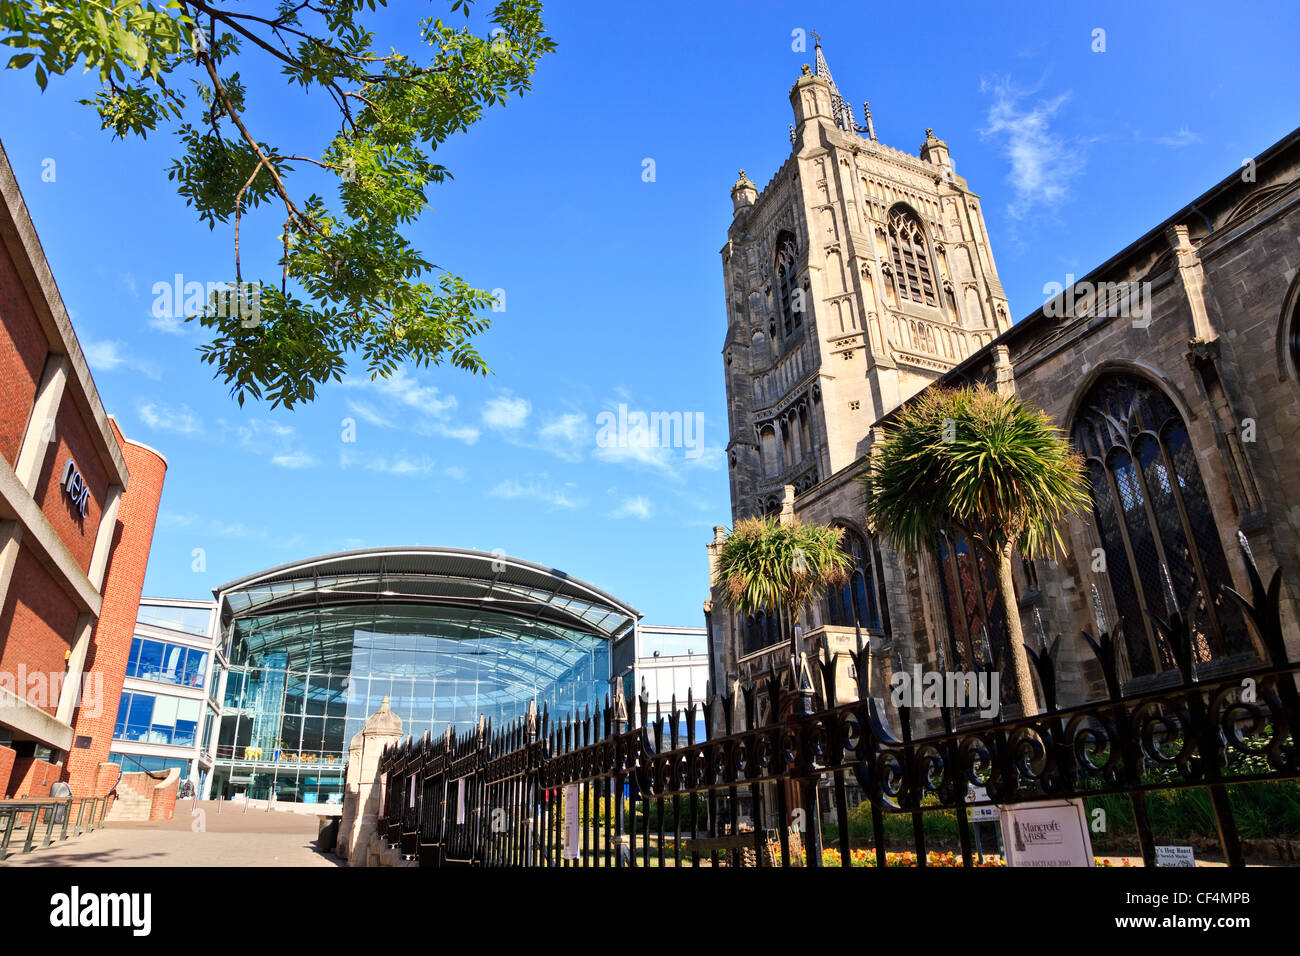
[26, 825]
[600, 789]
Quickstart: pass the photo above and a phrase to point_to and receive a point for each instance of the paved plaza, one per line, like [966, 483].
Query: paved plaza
[199, 837]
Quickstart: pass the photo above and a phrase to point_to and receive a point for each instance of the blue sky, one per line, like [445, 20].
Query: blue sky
[612, 284]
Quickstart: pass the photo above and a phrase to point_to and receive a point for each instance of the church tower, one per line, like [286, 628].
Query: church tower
[857, 276]
[854, 278]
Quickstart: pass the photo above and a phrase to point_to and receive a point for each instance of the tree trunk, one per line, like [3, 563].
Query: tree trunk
[1021, 678]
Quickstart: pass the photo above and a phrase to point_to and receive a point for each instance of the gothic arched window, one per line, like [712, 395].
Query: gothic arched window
[789, 295]
[760, 630]
[970, 602]
[770, 451]
[864, 581]
[1154, 521]
[911, 256]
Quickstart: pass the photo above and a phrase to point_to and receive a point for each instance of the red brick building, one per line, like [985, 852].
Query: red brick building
[77, 509]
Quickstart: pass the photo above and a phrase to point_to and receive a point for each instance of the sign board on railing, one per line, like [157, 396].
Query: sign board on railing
[572, 827]
[982, 814]
[1175, 856]
[1047, 833]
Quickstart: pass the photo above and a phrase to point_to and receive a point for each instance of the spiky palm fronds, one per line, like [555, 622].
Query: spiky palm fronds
[990, 467]
[764, 565]
[971, 460]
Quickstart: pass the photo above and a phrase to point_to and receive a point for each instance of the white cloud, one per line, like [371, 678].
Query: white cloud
[164, 418]
[400, 394]
[455, 473]
[505, 412]
[1043, 161]
[260, 435]
[539, 489]
[171, 324]
[199, 527]
[401, 464]
[1184, 137]
[671, 462]
[170, 519]
[296, 459]
[278, 443]
[637, 506]
[466, 433]
[110, 356]
[406, 389]
[368, 413]
[565, 436]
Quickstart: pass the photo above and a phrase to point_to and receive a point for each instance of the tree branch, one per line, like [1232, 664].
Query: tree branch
[270, 167]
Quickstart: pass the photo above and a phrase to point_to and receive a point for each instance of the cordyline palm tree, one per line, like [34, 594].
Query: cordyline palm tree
[767, 566]
[988, 466]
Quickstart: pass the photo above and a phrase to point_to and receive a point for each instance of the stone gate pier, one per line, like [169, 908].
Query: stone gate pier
[358, 839]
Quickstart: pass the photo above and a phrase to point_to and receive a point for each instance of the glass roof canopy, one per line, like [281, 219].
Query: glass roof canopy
[499, 586]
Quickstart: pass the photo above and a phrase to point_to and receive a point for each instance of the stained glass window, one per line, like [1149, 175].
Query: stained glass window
[1154, 520]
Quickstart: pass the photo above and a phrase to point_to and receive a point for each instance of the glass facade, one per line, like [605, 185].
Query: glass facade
[135, 763]
[301, 683]
[157, 719]
[167, 663]
[188, 620]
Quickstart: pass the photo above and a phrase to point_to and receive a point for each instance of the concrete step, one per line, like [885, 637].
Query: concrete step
[129, 805]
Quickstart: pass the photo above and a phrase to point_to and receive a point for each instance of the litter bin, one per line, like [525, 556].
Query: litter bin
[60, 791]
[327, 834]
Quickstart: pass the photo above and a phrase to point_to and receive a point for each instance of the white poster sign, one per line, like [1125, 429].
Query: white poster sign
[1175, 856]
[983, 814]
[460, 800]
[1050, 833]
[572, 826]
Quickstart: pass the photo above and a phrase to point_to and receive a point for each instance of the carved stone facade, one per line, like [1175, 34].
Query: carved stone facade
[1187, 339]
[854, 279]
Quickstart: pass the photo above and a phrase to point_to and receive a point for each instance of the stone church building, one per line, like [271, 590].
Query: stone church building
[862, 274]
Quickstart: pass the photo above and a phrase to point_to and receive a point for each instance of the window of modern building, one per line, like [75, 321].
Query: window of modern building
[157, 719]
[135, 763]
[190, 620]
[167, 663]
[1155, 522]
[911, 256]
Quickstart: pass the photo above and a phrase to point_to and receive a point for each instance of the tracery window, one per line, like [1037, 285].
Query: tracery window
[789, 296]
[1155, 522]
[970, 601]
[868, 586]
[911, 256]
[760, 630]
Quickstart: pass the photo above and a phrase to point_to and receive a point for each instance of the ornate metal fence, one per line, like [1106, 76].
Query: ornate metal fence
[613, 789]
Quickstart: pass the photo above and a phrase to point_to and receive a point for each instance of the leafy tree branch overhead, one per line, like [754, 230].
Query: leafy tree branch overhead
[349, 282]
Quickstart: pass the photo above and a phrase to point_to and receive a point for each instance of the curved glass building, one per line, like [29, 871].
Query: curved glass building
[312, 649]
